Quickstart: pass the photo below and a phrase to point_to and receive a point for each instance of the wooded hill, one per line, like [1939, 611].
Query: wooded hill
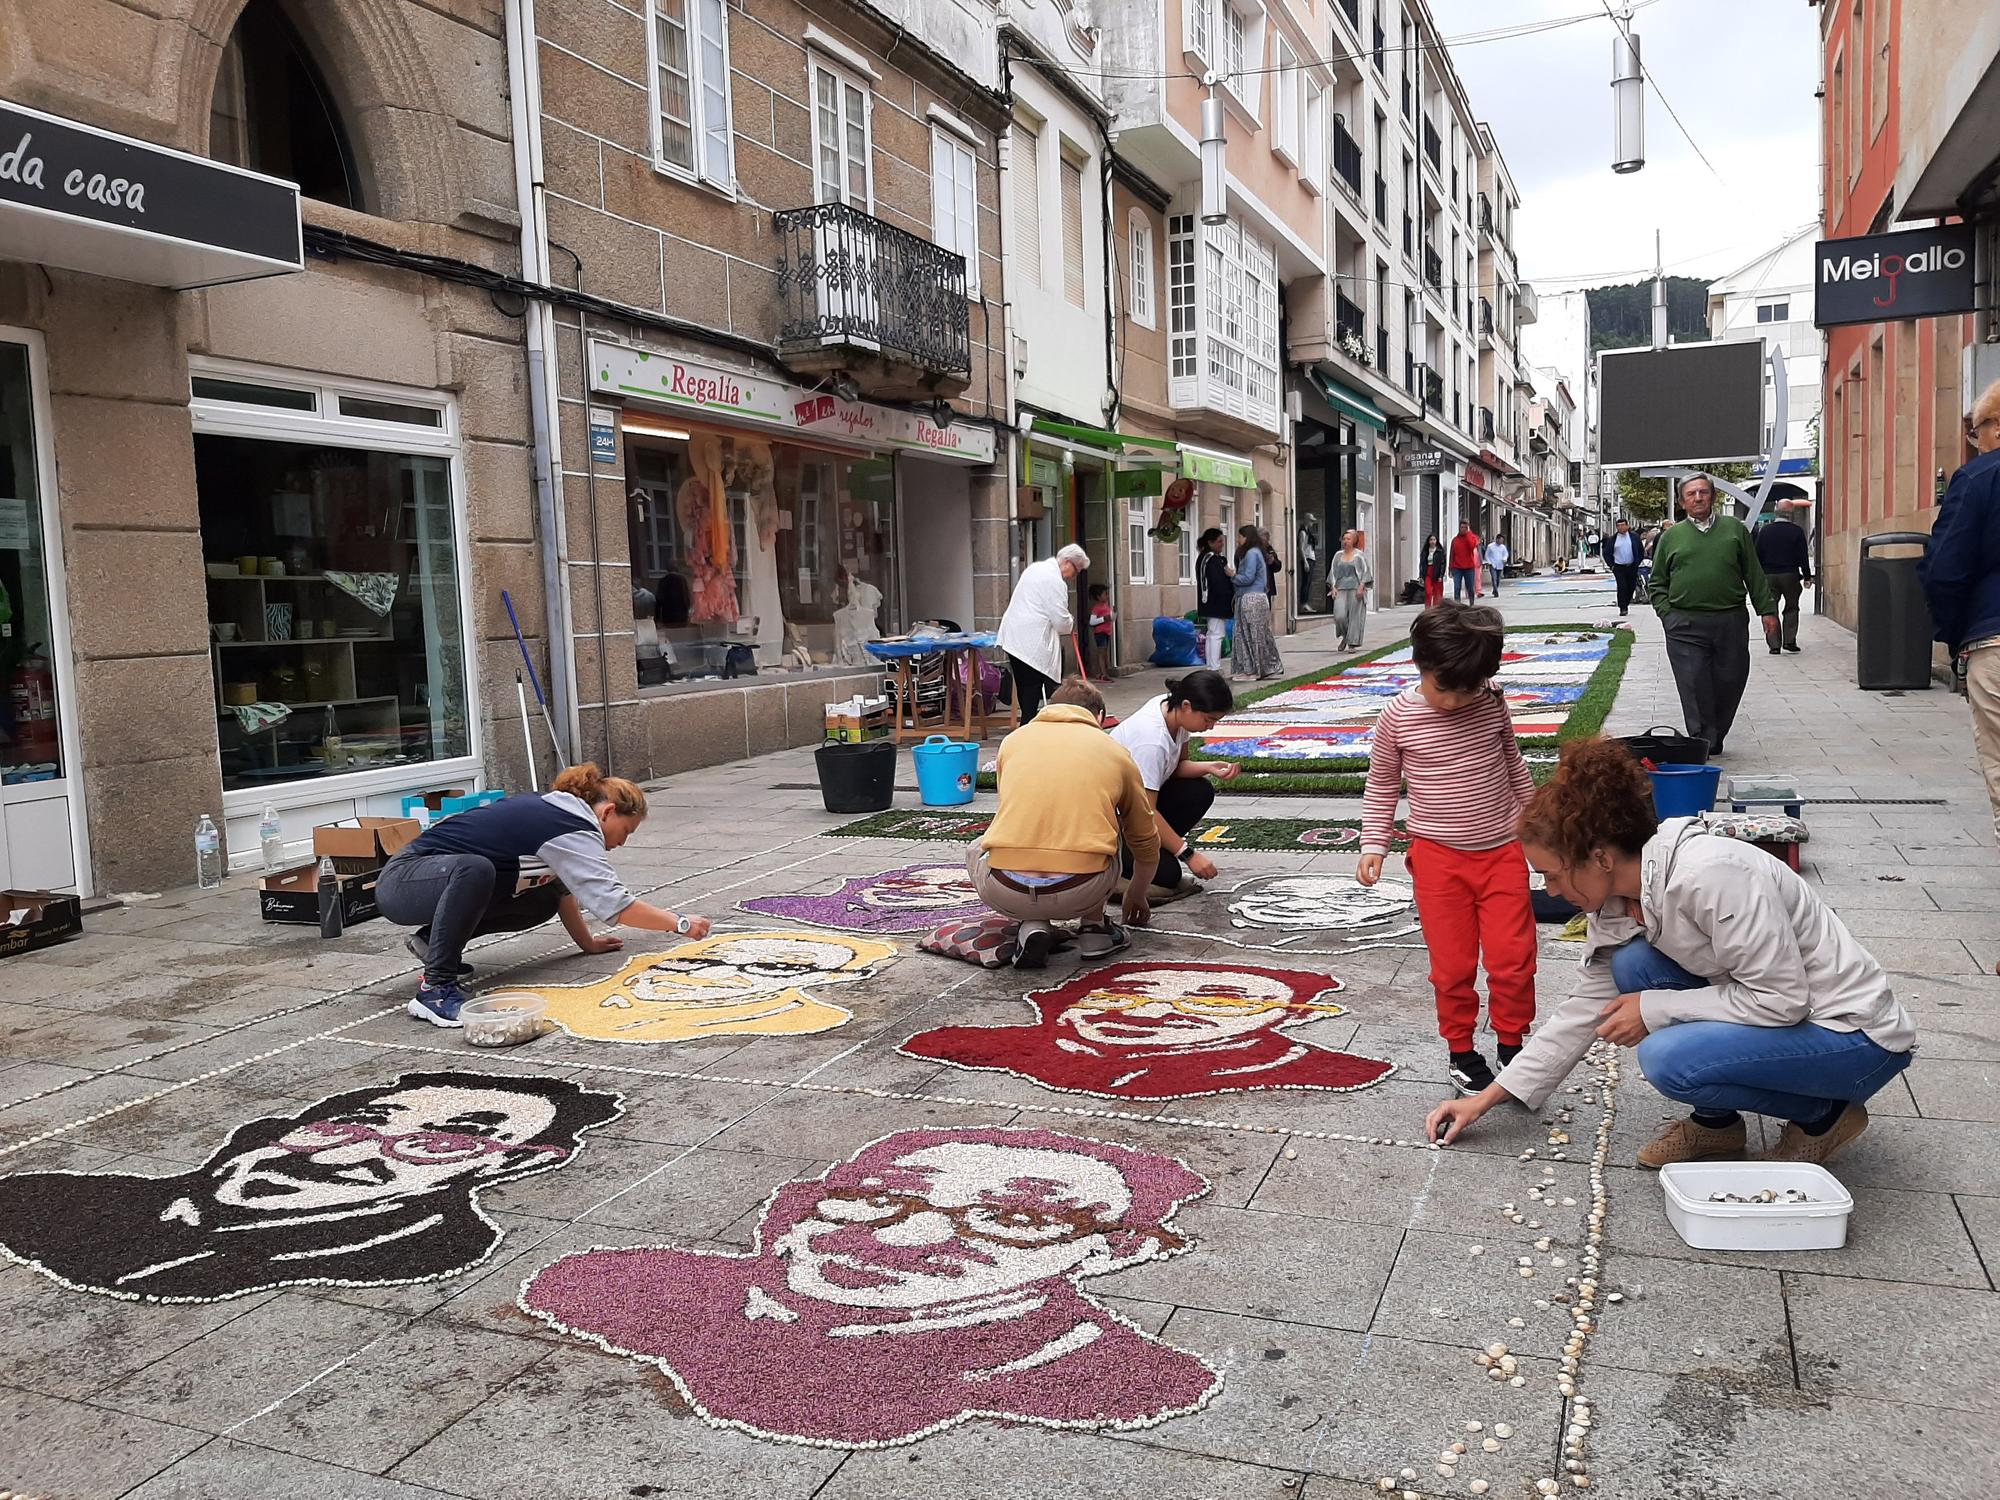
[1621, 317]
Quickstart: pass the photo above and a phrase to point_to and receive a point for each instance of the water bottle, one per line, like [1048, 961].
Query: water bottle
[271, 837]
[332, 920]
[207, 855]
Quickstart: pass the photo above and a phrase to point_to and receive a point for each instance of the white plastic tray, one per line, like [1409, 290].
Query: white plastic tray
[1818, 1225]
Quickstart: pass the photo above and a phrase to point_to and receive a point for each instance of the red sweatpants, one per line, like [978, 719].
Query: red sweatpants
[1433, 591]
[1474, 901]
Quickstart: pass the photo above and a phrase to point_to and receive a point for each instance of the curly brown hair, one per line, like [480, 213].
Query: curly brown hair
[1600, 797]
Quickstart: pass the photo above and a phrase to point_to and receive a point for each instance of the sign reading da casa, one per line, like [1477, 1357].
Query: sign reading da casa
[1881, 278]
[83, 199]
[732, 396]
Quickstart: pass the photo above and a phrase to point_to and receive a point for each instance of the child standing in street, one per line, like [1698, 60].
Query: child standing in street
[1451, 739]
[1100, 628]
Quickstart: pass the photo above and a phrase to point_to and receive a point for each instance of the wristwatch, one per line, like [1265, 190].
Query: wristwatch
[683, 925]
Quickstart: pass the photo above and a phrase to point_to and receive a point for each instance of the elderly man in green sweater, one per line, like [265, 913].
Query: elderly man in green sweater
[1703, 569]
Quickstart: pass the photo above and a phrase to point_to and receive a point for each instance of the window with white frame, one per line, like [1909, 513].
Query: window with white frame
[1241, 295]
[1138, 542]
[1774, 312]
[688, 49]
[955, 200]
[1233, 41]
[1312, 164]
[1072, 226]
[1180, 297]
[842, 171]
[1286, 124]
[1184, 550]
[1198, 27]
[1141, 236]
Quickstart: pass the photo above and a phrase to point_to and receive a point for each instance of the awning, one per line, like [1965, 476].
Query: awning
[1358, 407]
[1099, 437]
[1230, 470]
[83, 199]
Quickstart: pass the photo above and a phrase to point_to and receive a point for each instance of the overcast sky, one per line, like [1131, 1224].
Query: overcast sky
[1741, 73]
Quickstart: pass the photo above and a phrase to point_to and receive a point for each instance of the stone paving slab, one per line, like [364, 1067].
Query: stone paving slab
[1334, 1284]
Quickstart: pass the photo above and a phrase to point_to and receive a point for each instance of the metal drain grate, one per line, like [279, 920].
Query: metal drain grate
[1812, 801]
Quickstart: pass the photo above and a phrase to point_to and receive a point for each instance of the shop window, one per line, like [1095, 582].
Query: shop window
[333, 558]
[794, 571]
[688, 47]
[30, 749]
[272, 111]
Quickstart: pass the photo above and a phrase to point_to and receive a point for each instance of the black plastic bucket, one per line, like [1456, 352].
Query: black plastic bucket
[1664, 746]
[857, 778]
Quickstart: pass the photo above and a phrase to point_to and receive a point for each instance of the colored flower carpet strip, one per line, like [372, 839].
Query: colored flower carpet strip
[1239, 833]
[1311, 736]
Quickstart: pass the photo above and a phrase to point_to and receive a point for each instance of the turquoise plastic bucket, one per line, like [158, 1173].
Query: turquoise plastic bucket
[1684, 791]
[947, 770]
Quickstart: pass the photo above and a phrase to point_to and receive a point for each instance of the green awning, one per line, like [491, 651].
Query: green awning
[1358, 407]
[1098, 437]
[1210, 467]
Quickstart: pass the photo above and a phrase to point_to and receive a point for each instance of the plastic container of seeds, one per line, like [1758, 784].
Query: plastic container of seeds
[505, 1018]
[1817, 1223]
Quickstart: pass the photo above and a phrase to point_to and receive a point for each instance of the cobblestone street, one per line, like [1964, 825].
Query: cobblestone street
[1340, 1276]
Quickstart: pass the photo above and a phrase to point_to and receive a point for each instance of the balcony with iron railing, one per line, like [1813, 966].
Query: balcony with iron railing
[1433, 269]
[1349, 321]
[1434, 390]
[1346, 157]
[1433, 145]
[1381, 200]
[876, 303]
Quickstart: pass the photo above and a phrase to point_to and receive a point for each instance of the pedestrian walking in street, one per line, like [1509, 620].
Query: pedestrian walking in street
[1351, 578]
[463, 878]
[1069, 794]
[1496, 564]
[1101, 620]
[1451, 740]
[1181, 788]
[1038, 617]
[1622, 555]
[1738, 986]
[1784, 556]
[1432, 567]
[1961, 578]
[1256, 653]
[1703, 570]
[1215, 595]
[1465, 564]
[1308, 561]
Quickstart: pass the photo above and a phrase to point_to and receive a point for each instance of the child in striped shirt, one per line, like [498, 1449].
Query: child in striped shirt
[1451, 739]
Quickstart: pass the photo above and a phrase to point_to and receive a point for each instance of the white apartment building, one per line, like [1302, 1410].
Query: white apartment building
[1770, 298]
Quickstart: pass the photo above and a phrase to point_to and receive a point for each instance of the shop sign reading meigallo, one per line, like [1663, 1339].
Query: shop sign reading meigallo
[1913, 273]
[733, 396]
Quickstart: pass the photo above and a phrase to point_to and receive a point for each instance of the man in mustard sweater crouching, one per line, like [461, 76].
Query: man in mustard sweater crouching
[1068, 793]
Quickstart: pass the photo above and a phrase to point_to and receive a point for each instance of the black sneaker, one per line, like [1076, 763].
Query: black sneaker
[1794, 648]
[418, 945]
[1035, 941]
[1470, 1073]
[1507, 1054]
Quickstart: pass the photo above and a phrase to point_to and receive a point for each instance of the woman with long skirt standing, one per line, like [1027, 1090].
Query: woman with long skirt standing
[1350, 578]
[1256, 652]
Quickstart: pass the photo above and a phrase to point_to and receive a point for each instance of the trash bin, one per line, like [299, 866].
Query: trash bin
[947, 770]
[1892, 630]
[857, 778]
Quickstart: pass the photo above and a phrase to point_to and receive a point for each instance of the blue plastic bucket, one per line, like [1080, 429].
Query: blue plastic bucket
[947, 770]
[1684, 791]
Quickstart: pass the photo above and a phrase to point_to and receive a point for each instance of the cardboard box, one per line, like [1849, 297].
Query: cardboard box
[293, 896]
[433, 801]
[357, 845]
[37, 919]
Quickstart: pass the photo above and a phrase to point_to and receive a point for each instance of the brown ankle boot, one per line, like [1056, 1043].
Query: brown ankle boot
[1684, 1140]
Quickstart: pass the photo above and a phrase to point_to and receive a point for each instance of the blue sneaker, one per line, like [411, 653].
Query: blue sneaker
[438, 1004]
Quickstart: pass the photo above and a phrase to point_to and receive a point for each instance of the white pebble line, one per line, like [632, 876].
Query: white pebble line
[1074, 1110]
[1577, 1431]
[331, 1033]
